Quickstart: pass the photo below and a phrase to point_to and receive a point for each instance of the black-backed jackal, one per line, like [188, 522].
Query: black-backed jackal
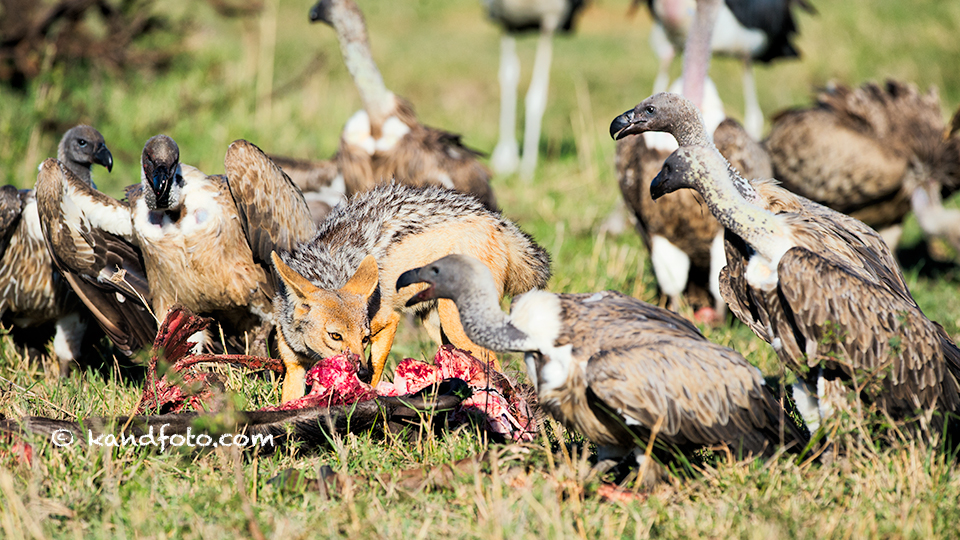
[337, 292]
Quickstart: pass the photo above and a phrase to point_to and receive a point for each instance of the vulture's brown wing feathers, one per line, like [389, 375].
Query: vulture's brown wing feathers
[90, 238]
[10, 208]
[645, 362]
[734, 288]
[273, 212]
[704, 394]
[888, 334]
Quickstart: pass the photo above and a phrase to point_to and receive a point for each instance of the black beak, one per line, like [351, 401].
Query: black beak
[409, 278]
[104, 157]
[320, 12]
[624, 125]
[160, 181]
[659, 188]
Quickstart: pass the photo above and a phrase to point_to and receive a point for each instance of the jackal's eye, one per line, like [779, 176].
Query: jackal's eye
[365, 339]
[335, 336]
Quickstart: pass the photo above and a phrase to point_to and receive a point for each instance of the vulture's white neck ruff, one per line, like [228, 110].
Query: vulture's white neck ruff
[538, 314]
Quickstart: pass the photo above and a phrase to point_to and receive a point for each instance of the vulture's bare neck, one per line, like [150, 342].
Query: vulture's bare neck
[689, 128]
[486, 324]
[81, 170]
[378, 101]
[763, 230]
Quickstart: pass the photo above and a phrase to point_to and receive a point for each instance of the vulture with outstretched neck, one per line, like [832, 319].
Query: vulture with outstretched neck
[384, 141]
[517, 16]
[818, 285]
[181, 237]
[620, 371]
[874, 152]
[686, 242]
[32, 291]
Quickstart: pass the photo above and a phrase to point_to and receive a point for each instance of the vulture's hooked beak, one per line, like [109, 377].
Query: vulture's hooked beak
[409, 278]
[626, 124]
[161, 178]
[659, 187]
[104, 157]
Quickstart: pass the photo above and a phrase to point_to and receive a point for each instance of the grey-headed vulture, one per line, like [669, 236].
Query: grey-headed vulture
[619, 371]
[818, 285]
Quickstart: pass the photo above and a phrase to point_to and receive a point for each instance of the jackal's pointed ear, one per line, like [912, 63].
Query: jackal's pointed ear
[296, 283]
[365, 279]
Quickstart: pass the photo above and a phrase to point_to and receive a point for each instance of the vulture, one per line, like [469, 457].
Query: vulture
[32, 291]
[618, 370]
[180, 237]
[384, 141]
[874, 152]
[820, 286]
[684, 240]
[516, 17]
[752, 30]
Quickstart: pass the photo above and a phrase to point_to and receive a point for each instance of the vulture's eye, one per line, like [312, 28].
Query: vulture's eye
[651, 109]
[81, 143]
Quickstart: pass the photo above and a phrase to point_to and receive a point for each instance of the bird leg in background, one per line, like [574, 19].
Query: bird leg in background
[506, 155]
[671, 266]
[752, 115]
[696, 56]
[535, 104]
[718, 259]
[664, 50]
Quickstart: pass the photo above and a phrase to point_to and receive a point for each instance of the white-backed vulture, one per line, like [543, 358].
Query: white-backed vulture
[752, 30]
[617, 370]
[32, 291]
[518, 16]
[865, 152]
[818, 285]
[384, 141]
[684, 240]
[182, 237]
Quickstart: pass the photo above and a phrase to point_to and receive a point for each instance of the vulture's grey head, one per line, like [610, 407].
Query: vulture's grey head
[160, 174]
[685, 168]
[80, 148]
[659, 112]
[452, 277]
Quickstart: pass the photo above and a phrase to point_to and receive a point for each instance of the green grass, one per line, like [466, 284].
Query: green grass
[442, 56]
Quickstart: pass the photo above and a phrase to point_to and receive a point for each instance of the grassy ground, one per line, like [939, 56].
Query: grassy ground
[441, 55]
